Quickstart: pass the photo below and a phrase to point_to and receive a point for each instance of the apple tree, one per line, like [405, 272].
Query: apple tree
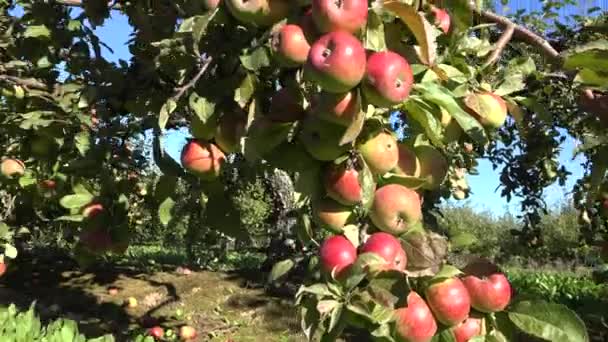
[317, 90]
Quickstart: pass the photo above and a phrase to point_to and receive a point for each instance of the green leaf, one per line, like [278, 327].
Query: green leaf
[75, 201]
[280, 269]
[310, 318]
[593, 77]
[407, 181]
[511, 84]
[424, 32]
[83, 142]
[37, 31]
[257, 59]
[245, 91]
[166, 110]
[444, 335]
[552, 322]
[422, 113]
[462, 240]
[354, 129]
[593, 56]
[368, 186]
[460, 14]
[10, 251]
[164, 162]
[447, 271]
[202, 107]
[28, 179]
[425, 252]
[319, 290]
[5, 232]
[520, 66]
[263, 136]
[70, 218]
[383, 334]
[374, 36]
[164, 211]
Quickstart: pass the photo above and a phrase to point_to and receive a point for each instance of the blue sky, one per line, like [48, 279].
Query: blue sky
[485, 195]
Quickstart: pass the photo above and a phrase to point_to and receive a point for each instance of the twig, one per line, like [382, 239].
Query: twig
[502, 42]
[78, 3]
[179, 91]
[25, 82]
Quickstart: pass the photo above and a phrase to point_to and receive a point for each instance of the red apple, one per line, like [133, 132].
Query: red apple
[340, 108]
[488, 108]
[156, 332]
[203, 159]
[2, 268]
[380, 152]
[12, 167]
[387, 247]
[331, 215]
[488, 294]
[258, 12]
[336, 62]
[449, 300]
[286, 105]
[289, 46]
[187, 333]
[92, 210]
[342, 184]
[408, 163]
[388, 79]
[415, 323]
[337, 253]
[442, 19]
[395, 209]
[468, 329]
[321, 139]
[340, 15]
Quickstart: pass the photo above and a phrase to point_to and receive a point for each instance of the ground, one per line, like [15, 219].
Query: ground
[222, 306]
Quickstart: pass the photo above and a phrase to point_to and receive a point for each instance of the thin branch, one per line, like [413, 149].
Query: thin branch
[502, 42]
[24, 82]
[180, 91]
[78, 3]
[521, 33]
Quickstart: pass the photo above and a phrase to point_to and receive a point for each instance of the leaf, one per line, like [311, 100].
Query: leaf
[351, 232]
[83, 142]
[424, 32]
[552, 322]
[75, 201]
[383, 334]
[280, 269]
[319, 290]
[395, 284]
[165, 163]
[256, 60]
[354, 129]
[166, 110]
[425, 251]
[336, 314]
[368, 186]
[37, 31]
[10, 251]
[443, 97]
[510, 85]
[593, 56]
[310, 318]
[5, 232]
[405, 180]
[593, 77]
[520, 66]
[245, 91]
[374, 36]
[460, 14]
[422, 113]
[462, 240]
[263, 136]
[202, 107]
[70, 218]
[327, 306]
[444, 335]
[447, 271]
[164, 211]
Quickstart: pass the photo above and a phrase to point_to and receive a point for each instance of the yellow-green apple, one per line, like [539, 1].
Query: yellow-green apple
[156, 332]
[342, 184]
[131, 302]
[388, 248]
[488, 294]
[415, 322]
[388, 79]
[331, 215]
[289, 46]
[471, 327]
[96, 240]
[203, 159]
[258, 12]
[449, 300]
[336, 62]
[229, 131]
[321, 139]
[12, 168]
[451, 129]
[380, 152]
[488, 108]
[338, 108]
[286, 105]
[442, 19]
[337, 254]
[408, 163]
[433, 165]
[187, 333]
[340, 15]
[395, 209]
[92, 210]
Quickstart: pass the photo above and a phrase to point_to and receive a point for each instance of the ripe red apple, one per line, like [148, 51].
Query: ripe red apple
[2, 268]
[442, 19]
[388, 79]
[415, 323]
[488, 108]
[203, 159]
[229, 131]
[380, 153]
[340, 108]
[289, 46]
[449, 300]
[395, 209]
[433, 165]
[211, 4]
[468, 329]
[48, 184]
[92, 210]
[341, 15]
[187, 333]
[286, 105]
[258, 12]
[408, 163]
[387, 247]
[337, 253]
[321, 139]
[336, 62]
[156, 332]
[331, 215]
[12, 167]
[96, 240]
[342, 184]
[488, 294]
